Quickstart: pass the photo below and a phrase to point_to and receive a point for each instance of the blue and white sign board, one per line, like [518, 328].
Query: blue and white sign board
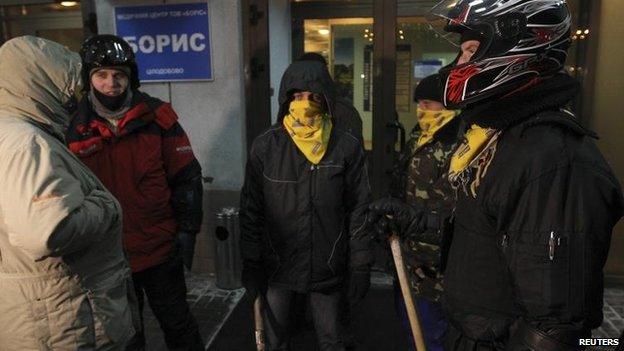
[171, 42]
[426, 68]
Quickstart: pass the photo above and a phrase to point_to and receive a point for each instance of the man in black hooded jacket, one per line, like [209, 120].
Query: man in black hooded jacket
[536, 201]
[303, 209]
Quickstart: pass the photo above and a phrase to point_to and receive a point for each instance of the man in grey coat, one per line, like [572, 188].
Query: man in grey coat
[63, 274]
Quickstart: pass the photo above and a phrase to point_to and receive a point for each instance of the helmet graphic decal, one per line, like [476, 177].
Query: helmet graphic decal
[519, 41]
[457, 82]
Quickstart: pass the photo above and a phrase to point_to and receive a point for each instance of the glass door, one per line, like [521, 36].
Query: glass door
[347, 46]
[377, 52]
[347, 35]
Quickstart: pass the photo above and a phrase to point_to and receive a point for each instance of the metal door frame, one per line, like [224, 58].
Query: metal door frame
[255, 17]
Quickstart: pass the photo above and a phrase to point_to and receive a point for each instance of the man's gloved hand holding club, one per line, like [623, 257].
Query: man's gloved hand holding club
[393, 216]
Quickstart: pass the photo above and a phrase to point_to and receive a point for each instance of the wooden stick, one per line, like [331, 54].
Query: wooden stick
[258, 325]
[412, 312]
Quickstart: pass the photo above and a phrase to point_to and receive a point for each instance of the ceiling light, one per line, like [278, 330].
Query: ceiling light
[323, 31]
[69, 3]
[586, 31]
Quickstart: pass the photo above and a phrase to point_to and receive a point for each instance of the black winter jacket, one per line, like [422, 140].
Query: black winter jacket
[305, 223]
[348, 118]
[530, 246]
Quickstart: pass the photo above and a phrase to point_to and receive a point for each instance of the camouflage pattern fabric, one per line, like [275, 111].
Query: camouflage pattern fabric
[426, 183]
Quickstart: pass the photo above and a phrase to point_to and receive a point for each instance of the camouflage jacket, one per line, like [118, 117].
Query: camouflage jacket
[421, 179]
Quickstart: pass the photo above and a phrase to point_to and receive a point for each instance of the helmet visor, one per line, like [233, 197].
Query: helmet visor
[473, 20]
[455, 12]
[108, 54]
[437, 27]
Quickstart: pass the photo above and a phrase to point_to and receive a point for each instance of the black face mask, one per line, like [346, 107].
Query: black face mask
[112, 103]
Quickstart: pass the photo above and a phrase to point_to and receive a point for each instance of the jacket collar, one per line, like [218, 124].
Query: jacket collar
[549, 94]
[86, 122]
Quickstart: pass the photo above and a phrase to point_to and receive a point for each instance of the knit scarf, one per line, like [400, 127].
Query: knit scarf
[104, 112]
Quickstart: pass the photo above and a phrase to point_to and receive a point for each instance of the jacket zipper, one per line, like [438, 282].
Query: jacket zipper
[313, 168]
[312, 194]
[553, 242]
[505, 243]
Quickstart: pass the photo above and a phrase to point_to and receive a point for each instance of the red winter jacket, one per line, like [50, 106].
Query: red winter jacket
[150, 168]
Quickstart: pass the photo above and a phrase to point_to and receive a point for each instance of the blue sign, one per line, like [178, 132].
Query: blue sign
[171, 42]
[426, 68]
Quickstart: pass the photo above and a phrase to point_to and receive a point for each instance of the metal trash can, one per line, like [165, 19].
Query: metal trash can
[227, 247]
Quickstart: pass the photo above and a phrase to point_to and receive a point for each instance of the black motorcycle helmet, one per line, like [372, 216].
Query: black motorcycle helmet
[521, 41]
[107, 50]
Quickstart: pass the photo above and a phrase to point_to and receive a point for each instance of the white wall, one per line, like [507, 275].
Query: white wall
[212, 113]
[279, 47]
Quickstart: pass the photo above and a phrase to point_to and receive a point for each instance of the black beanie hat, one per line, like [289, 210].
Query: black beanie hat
[429, 89]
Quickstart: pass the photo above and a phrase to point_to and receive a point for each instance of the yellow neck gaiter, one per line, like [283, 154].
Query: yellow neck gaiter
[476, 140]
[309, 128]
[430, 122]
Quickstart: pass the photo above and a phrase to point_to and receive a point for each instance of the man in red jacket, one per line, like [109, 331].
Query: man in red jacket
[135, 145]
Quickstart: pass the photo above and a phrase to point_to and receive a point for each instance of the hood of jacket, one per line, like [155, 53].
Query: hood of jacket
[37, 78]
[309, 76]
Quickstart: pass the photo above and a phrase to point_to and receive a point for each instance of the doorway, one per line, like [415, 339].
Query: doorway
[377, 52]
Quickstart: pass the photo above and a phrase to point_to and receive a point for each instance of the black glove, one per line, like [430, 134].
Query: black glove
[390, 215]
[254, 279]
[358, 283]
[186, 242]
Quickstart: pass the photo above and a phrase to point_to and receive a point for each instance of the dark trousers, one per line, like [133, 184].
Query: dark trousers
[324, 311]
[165, 289]
[431, 317]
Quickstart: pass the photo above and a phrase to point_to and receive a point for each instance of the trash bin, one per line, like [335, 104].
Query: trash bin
[227, 239]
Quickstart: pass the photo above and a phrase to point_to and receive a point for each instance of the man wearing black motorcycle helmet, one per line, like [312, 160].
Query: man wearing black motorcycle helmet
[536, 201]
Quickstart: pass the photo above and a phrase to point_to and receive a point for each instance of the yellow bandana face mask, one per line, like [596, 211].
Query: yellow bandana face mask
[431, 121]
[309, 128]
[476, 140]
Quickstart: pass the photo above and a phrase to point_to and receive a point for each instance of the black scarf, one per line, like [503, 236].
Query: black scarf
[550, 94]
[112, 103]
